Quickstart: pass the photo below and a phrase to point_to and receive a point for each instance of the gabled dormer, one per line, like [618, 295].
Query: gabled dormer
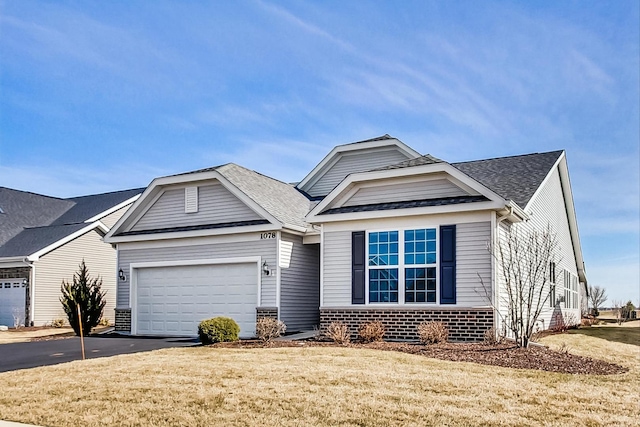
[353, 158]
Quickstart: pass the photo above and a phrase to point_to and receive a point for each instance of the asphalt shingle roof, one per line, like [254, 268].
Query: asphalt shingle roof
[427, 159]
[406, 204]
[283, 201]
[30, 222]
[31, 240]
[516, 177]
[24, 209]
[86, 207]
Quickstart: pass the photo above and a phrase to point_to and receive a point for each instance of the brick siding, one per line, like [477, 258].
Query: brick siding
[123, 319]
[401, 324]
[266, 312]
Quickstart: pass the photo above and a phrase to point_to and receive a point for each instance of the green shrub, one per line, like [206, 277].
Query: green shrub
[86, 293]
[218, 329]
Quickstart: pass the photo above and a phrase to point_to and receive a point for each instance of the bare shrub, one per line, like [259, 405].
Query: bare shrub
[103, 322]
[492, 337]
[371, 331]
[564, 348]
[268, 328]
[58, 323]
[433, 332]
[338, 332]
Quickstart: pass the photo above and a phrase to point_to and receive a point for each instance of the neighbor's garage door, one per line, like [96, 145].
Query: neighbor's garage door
[12, 301]
[173, 300]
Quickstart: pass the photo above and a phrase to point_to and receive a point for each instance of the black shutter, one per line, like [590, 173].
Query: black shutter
[357, 267]
[447, 264]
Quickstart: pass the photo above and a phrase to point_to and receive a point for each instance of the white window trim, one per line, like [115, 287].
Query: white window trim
[401, 267]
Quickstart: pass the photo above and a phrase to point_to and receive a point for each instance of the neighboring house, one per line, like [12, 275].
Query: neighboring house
[42, 242]
[374, 232]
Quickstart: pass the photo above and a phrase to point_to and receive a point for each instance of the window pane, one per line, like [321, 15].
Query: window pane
[431, 234]
[420, 235]
[383, 285]
[420, 244]
[408, 235]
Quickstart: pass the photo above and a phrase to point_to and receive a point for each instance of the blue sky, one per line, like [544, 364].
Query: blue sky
[101, 96]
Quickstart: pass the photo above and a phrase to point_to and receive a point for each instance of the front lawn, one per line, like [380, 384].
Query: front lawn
[205, 386]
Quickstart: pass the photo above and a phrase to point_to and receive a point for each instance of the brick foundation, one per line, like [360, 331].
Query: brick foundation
[401, 323]
[123, 320]
[266, 312]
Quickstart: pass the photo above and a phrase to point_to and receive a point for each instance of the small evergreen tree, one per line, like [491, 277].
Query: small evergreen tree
[86, 292]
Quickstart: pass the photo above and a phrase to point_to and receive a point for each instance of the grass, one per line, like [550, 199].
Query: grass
[322, 386]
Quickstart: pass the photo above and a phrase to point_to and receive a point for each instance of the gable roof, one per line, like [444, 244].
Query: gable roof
[22, 209]
[381, 143]
[275, 200]
[31, 240]
[516, 177]
[32, 222]
[87, 207]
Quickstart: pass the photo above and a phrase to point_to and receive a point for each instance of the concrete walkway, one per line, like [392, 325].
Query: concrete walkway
[304, 335]
[12, 424]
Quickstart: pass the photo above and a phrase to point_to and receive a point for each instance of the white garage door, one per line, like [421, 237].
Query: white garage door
[173, 300]
[12, 302]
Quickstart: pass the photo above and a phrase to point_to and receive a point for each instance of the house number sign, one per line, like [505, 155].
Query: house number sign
[268, 235]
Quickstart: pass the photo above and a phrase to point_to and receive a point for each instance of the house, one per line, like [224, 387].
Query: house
[42, 242]
[375, 231]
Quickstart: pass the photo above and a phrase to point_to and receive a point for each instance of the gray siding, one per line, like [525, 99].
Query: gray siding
[473, 259]
[215, 205]
[420, 190]
[263, 248]
[352, 163]
[62, 263]
[300, 286]
[336, 268]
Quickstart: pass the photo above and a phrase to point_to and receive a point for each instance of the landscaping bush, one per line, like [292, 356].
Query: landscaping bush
[433, 332]
[490, 337]
[268, 328]
[338, 332]
[371, 331]
[218, 329]
[58, 323]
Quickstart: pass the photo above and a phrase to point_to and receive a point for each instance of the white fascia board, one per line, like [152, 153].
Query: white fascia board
[134, 209]
[15, 261]
[193, 233]
[395, 213]
[340, 149]
[567, 192]
[311, 239]
[356, 178]
[95, 225]
[113, 209]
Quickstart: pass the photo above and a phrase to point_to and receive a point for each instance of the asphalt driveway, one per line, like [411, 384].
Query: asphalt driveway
[25, 355]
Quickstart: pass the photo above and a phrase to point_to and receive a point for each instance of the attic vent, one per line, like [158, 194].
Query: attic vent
[191, 200]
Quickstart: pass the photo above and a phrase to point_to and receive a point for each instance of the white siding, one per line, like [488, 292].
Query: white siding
[300, 286]
[263, 248]
[420, 190]
[352, 163]
[111, 219]
[473, 260]
[336, 268]
[215, 205]
[62, 263]
[547, 209]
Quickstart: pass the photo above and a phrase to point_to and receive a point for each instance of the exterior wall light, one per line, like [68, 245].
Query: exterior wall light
[265, 269]
[121, 275]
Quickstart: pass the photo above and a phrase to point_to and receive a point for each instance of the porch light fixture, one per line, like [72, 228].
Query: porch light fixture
[265, 268]
[121, 275]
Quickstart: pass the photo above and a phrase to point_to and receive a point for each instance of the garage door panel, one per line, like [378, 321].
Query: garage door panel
[173, 300]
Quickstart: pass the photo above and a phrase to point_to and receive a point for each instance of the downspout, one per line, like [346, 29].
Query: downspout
[30, 297]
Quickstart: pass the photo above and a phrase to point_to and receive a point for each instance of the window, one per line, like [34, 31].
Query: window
[552, 284]
[407, 258]
[570, 290]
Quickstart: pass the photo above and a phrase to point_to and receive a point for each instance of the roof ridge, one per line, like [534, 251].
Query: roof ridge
[33, 193]
[509, 157]
[261, 174]
[105, 193]
[377, 138]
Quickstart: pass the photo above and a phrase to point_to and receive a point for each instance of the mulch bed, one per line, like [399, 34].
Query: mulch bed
[505, 355]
